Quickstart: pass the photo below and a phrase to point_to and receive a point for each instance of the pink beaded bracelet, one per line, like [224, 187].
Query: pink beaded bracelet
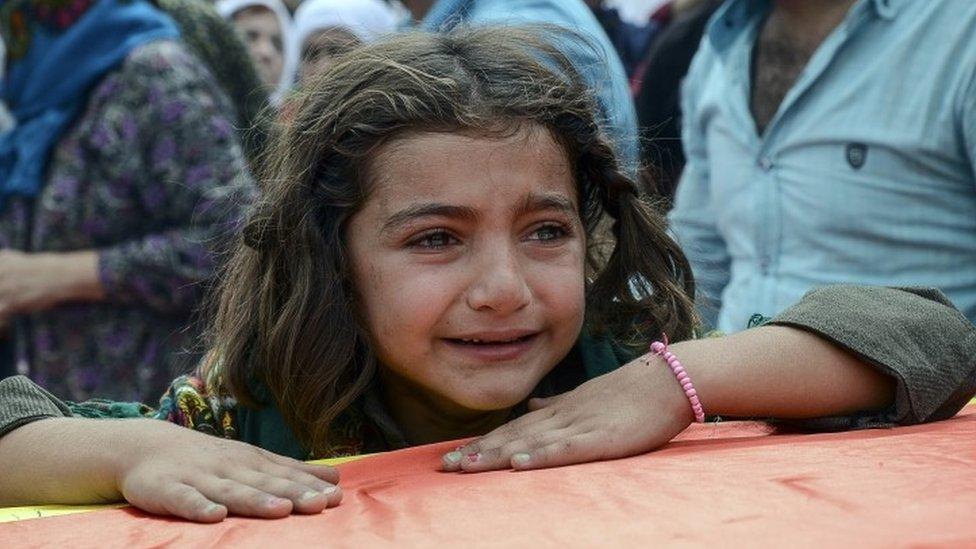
[661, 349]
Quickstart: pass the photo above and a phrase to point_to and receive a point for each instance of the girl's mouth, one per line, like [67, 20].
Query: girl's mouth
[493, 349]
[475, 341]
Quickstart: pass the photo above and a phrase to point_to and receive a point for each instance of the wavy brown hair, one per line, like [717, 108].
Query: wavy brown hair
[287, 315]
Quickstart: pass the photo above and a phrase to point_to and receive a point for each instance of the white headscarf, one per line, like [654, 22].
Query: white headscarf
[227, 9]
[365, 19]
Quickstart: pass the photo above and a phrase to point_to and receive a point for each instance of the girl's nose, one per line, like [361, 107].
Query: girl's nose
[499, 283]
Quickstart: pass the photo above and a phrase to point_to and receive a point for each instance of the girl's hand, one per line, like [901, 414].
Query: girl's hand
[629, 411]
[204, 478]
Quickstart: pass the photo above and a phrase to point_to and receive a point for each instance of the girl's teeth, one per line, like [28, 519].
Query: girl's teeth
[481, 341]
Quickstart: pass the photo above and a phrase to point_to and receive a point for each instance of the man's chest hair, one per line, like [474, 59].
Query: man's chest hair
[777, 62]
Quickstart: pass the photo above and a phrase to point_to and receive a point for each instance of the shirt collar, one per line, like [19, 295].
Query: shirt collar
[735, 16]
[731, 20]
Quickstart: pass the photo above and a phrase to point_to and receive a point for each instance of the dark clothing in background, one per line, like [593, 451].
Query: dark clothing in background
[659, 100]
[7, 367]
[631, 41]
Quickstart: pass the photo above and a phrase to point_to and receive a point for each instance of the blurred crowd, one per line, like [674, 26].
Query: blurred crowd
[796, 144]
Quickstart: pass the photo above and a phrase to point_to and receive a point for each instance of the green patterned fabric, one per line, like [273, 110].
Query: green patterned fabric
[186, 403]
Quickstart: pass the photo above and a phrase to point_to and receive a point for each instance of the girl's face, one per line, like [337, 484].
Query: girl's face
[468, 259]
[262, 33]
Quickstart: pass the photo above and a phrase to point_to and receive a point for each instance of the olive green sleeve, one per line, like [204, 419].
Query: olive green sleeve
[914, 335]
[22, 402]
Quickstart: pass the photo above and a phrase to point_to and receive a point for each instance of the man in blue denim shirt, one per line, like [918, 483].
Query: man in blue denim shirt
[829, 141]
[602, 70]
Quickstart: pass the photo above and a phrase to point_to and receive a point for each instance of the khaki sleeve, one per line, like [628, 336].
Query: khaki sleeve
[22, 402]
[914, 335]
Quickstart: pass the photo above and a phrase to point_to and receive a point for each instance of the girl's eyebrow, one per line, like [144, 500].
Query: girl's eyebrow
[534, 202]
[427, 209]
[537, 202]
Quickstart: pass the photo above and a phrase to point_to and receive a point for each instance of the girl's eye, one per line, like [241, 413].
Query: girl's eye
[433, 240]
[549, 233]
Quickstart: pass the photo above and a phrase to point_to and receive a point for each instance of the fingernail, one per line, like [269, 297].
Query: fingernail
[521, 459]
[309, 496]
[473, 458]
[329, 490]
[211, 509]
[272, 501]
[452, 458]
